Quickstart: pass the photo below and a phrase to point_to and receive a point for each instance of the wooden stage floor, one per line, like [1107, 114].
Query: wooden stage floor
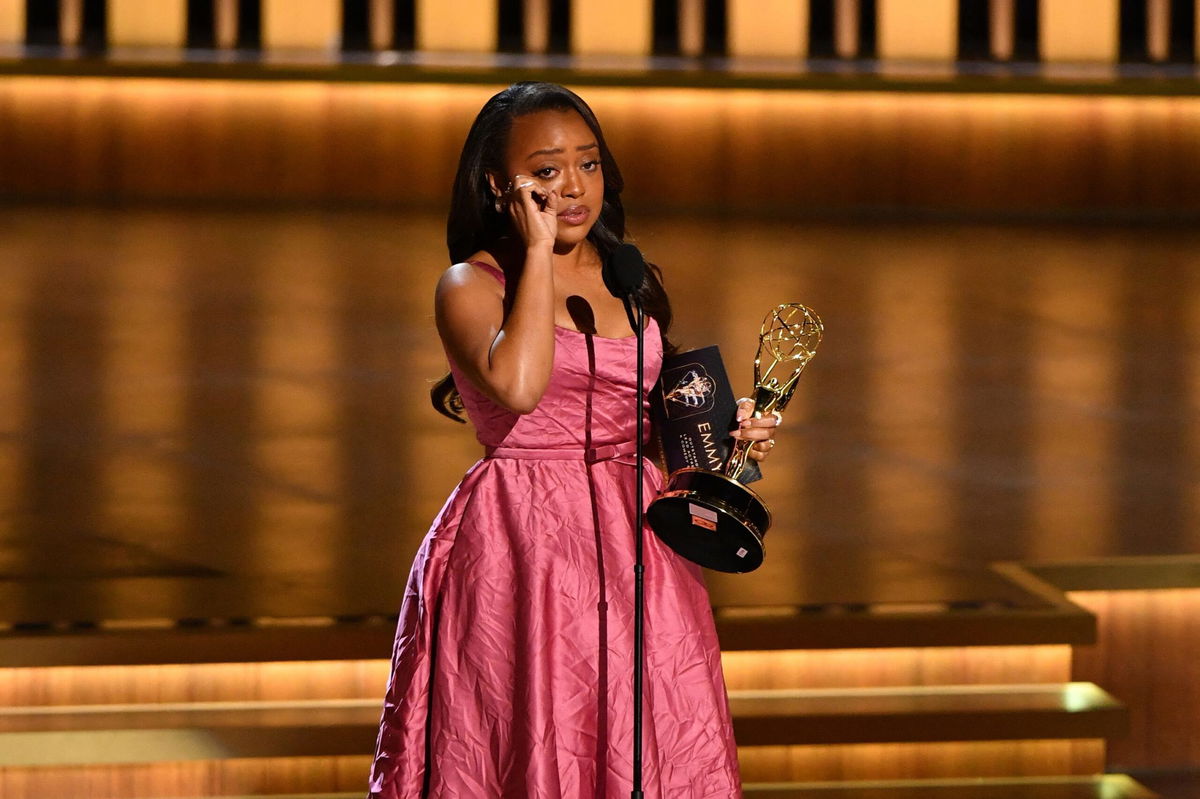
[224, 413]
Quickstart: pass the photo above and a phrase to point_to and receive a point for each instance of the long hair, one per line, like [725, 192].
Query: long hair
[474, 223]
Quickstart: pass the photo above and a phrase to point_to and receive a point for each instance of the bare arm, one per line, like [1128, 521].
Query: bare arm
[509, 359]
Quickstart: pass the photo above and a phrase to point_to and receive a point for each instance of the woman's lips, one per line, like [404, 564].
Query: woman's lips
[574, 215]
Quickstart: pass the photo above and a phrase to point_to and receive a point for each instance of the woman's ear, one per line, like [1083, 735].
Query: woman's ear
[494, 182]
[497, 193]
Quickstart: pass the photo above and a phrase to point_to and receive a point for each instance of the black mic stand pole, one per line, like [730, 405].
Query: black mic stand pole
[639, 567]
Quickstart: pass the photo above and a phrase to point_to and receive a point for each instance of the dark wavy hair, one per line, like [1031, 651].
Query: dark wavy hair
[475, 224]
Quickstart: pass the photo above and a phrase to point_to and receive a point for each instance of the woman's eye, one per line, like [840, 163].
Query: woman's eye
[591, 165]
[545, 172]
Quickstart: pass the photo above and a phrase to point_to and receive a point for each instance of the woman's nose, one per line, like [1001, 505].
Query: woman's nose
[572, 185]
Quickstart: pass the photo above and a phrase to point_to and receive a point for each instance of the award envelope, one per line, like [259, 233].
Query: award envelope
[693, 409]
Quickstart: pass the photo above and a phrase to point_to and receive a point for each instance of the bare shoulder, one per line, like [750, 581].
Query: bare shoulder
[468, 280]
[468, 298]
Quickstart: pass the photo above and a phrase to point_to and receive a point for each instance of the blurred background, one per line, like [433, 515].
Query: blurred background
[221, 222]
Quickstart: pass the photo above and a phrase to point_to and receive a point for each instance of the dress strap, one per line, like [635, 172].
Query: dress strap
[494, 271]
[608, 452]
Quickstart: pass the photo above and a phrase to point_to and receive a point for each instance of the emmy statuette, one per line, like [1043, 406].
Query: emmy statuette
[708, 515]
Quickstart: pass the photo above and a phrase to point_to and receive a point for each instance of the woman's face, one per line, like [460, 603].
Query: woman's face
[559, 150]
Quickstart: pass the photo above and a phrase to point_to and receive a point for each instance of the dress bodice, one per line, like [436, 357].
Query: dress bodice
[588, 402]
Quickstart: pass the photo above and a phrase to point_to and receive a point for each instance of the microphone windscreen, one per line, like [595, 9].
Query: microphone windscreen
[624, 270]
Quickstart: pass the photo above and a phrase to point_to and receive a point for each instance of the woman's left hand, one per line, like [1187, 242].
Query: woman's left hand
[760, 431]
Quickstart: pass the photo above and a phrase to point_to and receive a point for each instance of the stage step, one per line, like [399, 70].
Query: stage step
[1107, 786]
[140, 733]
[43, 626]
[937, 713]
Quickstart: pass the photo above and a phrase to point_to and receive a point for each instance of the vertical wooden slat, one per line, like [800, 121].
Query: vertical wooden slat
[1002, 29]
[1076, 457]
[923, 30]
[70, 22]
[225, 23]
[12, 22]
[1158, 29]
[616, 27]
[382, 22]
[16, 350]
[147, 23]
[536, 19]
[1079, 30]
[301, 24]
[458, 25]
[768, 28]
[847, 19]
[691, 27]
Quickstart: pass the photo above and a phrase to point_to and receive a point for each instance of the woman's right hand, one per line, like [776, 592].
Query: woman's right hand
[533, 209]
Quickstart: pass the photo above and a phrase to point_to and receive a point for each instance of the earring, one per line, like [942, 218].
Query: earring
[498, 206]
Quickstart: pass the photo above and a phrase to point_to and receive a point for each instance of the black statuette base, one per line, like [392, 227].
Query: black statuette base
[711, 520]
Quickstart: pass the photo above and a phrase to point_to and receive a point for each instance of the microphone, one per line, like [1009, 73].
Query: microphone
[624, 270]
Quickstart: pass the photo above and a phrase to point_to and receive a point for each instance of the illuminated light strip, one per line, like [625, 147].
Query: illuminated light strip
[147, 23]
[614, 27]
[206, 682]
[150, 708]
[907, 666]
[137, 624]
[301, 24]
[1079, 30]
[918, 30]
[767, 28]
[459, 25]
[12, 22]
[296, 621]
[317, 777]
[946, 760]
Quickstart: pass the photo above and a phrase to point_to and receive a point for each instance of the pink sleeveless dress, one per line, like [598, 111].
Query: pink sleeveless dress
[512, 667]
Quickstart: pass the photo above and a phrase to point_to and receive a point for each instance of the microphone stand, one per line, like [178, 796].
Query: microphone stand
[637, 321]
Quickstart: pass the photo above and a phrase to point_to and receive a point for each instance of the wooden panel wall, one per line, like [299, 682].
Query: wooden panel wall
[80, 138]
[1147, 654]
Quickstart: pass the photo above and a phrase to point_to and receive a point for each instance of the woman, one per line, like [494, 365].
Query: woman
[512, 665]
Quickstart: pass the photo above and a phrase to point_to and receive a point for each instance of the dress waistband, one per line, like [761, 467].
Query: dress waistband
[608, 452]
